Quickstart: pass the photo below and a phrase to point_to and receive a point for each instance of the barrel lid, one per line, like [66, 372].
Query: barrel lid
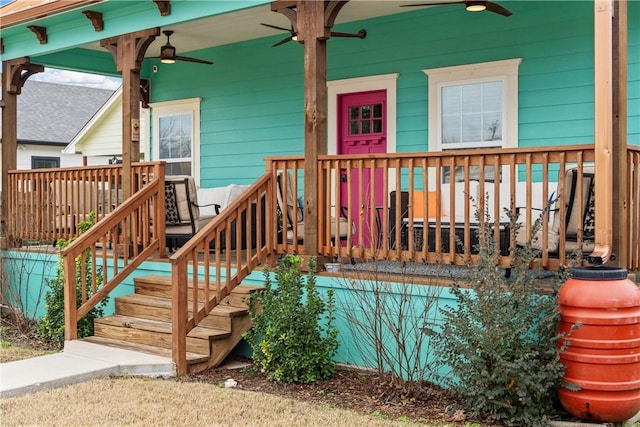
[599, 273]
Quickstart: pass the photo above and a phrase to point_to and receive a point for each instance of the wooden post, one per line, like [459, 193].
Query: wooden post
[179, 316]
[70, 308]
[128, 52]
[312, 22]
[603, 23]
[15, 73]
[311, 31]
[621, 204]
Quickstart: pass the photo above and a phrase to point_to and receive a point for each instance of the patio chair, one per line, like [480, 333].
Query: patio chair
[573, 216]
[291, 200]
[182, 212]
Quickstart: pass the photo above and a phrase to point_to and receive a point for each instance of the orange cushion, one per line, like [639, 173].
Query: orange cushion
[418, 204]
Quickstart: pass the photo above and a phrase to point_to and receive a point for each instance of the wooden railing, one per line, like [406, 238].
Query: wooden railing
[47, 204]
[113, 248]
[385, 197]
[633, 171]
[216, 260]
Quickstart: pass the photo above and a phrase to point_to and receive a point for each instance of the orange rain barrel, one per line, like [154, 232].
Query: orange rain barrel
[603, 355]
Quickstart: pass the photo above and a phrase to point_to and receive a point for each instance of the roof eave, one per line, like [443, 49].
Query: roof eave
[41, 11]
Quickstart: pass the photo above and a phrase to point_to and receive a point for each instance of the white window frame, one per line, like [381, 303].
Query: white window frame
[504, 70]
[175, 108]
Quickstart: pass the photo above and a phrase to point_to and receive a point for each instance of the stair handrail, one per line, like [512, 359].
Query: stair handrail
[133, 236]
[192, 261]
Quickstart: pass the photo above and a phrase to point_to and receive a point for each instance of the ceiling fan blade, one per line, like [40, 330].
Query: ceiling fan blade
[283, 41]
[496, 8]
[437, 3]
[359, 35]
[275, 27]
[196, 60]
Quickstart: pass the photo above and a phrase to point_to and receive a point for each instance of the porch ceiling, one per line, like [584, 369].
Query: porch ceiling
[245, 25]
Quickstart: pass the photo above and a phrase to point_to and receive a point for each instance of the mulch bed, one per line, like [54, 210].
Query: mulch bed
[356, 390]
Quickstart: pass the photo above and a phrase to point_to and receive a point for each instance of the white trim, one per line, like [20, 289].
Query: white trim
[362, 84]
[507, 70]
[181, 106]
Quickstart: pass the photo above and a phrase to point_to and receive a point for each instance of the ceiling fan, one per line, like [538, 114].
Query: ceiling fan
[168, 53]
[470, 5]
[294, 36]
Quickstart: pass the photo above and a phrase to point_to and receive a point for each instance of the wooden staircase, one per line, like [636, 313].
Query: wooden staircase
[142, 322]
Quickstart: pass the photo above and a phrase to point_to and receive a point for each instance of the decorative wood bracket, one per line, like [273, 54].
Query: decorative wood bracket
[139, 41]
[289, 8]
[145, 92]
[40, 32]
[18, 71]
[164, 6]
[331, 10]
[95, 18]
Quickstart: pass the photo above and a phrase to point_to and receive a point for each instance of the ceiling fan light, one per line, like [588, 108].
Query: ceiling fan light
[476, 6]
[168, 60]
[294, 37]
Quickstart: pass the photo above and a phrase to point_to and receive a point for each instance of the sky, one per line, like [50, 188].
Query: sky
[53, 75]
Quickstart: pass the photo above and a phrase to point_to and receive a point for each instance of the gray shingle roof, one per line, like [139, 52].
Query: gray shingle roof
[50, 113]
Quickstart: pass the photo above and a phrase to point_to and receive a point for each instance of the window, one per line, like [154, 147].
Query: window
[471, 114]
[176, 136]
[42, 162]
[473, 106]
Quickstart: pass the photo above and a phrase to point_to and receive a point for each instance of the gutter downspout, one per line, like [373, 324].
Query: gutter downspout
[603, 74]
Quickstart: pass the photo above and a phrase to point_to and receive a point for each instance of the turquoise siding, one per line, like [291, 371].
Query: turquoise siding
[43, 266]
[252, 98]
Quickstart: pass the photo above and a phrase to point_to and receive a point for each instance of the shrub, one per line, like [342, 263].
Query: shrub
[51, 326]
[293, 337]
[500, 339]
[23, 284]
[391, 326]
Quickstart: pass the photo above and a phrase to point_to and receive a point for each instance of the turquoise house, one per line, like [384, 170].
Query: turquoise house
[402, 121]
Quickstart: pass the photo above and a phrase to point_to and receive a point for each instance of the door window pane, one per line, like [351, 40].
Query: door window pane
[365, 119]
[377, 110]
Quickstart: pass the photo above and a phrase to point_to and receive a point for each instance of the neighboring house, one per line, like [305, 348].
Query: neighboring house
[102, 135]
[50, 116]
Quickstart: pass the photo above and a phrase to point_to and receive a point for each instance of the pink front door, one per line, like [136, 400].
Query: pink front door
[362, 129]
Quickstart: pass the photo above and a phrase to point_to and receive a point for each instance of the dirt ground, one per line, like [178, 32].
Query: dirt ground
[356, 390]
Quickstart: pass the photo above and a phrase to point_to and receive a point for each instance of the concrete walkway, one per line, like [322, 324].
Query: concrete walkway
[80, 361]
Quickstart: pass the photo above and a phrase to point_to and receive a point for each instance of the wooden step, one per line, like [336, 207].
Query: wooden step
[160, 286]
[239, 296]
[155, 333]
[192, 358]
[144, 307]
[157, 308]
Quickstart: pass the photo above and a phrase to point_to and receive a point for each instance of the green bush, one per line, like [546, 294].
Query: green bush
[500, 340]
[51, 326]
[293, 337]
